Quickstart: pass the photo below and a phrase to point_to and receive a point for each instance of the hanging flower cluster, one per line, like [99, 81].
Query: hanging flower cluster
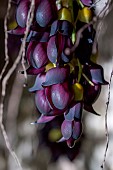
[50, 133]
[68, 79]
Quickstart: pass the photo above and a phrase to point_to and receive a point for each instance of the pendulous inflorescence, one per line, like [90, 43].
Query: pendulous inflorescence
[59, 53]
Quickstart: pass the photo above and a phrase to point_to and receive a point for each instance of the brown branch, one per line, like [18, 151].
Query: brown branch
[6, 78]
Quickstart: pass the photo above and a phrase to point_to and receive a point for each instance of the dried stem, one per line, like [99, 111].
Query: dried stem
[6, 39]
[106, 125]
[6, 78]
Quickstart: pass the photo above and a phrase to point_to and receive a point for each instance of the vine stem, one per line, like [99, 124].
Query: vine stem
[8, 75]
[6, 39]
[106, 120]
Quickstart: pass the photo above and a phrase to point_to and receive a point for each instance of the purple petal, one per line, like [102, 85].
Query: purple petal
[48, 97]
[30, 50]
[69, 115]
[90, 109]
[77, 129]
[64, 27]
[61, 140]
[66, 129]
[39, 57]
[17, 31]
[55, 111]
[60, 95]
[31, 34]
[45, 13]
[40, 36]
[45, 119]
[78, 110]
[22, 12]
[75, 111]
[38, 83]
[41, 102]
[91, 93]
[55, 27]
[56, 75]
[65, 58]
[87, 2]
[97, 76]
[52, 50]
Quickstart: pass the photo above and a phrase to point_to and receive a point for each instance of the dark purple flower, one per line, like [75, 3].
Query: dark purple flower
[60, 96]
[56, 46]
[56, 75]
[36, 54]
[22, 13]
[62, 26]
[46, 12]
[71, 131]
[95, 73]
[74, 112]
[41, 102]
[91, 94]
[49, 134]
[67, 79]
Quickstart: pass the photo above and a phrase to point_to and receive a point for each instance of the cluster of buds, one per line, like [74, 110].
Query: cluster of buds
[68, 79]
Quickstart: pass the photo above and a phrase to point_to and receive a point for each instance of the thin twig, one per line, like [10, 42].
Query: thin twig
[6, 39]
[106, 125]
[68, 51]
[6, 78]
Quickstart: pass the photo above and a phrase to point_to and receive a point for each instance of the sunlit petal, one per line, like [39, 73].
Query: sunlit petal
[56, 75]
[17, 31]
[38, 83]
[45, 12]
[66, 129]
[60, 95]
[22, 12]
[44, 119]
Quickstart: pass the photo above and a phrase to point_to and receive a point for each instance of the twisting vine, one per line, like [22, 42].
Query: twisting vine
[106, 118]
[10, 72]
[6, 39]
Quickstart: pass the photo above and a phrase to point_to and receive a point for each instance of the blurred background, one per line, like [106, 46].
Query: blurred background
[35, 146]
